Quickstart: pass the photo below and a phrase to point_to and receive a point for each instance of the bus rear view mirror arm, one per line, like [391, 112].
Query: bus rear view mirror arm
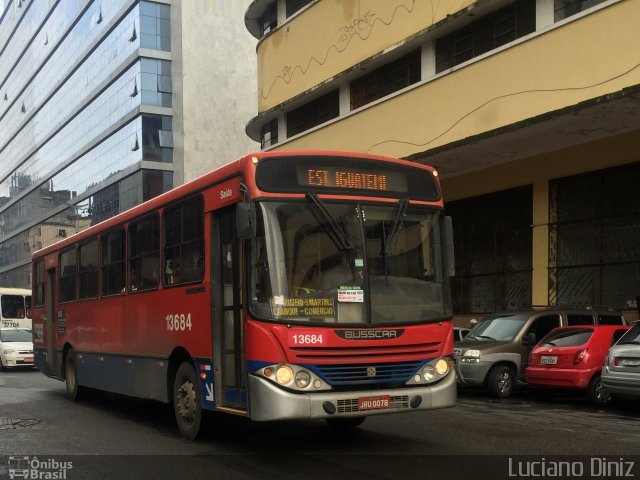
[246, 220]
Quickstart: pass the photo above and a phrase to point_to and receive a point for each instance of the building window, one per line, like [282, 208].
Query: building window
[184, 243]
[385, 80]
[144, 254]
[493, 245]
[112, 263]
[67, 276]
[567, 8]
[294, 5]
[490, 32]
[155, 81]
[88, 271]
[269, 19]
[594, 233]
[157, 138]
[313, 113]
[155, 26]
[269, 134]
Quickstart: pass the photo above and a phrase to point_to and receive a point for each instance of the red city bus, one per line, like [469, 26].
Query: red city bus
[285, 285]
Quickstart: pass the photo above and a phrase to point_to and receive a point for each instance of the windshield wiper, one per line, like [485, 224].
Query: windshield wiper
[335, 231]
[485, 336]
[398, 222]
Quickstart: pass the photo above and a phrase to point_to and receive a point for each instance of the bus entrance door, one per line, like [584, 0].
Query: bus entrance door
[228, 338]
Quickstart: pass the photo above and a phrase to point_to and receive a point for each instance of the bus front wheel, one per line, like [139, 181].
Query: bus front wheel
[186, 401]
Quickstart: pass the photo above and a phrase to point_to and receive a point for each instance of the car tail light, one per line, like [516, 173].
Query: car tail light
[580, 356]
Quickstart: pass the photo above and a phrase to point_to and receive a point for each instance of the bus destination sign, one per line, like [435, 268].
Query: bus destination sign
[345, 176]
[351, 179]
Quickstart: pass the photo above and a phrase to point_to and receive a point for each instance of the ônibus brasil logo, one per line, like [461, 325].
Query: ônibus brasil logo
[36, 469]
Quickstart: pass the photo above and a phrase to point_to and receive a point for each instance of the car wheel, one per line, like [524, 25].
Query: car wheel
[597, 392]
[345, 423]
[74, 391]
[500, 381]
[187, 405]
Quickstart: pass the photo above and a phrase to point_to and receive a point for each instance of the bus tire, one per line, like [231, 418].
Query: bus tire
[74, 391]
[187, 405]
[500, 381]
[345, 423]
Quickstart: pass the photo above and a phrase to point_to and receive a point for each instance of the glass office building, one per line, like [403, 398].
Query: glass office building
[88, 114]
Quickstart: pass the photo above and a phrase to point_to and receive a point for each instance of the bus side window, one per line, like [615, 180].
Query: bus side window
[183, 243]
[144, 249]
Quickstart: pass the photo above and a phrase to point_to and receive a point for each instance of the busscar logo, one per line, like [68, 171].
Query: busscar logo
[370, 334]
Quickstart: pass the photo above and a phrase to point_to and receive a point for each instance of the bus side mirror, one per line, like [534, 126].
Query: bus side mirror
[448, 233]
[246, 220]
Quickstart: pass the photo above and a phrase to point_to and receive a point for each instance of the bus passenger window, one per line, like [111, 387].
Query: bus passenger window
[183, 243]
[112, 263]
[144, 249]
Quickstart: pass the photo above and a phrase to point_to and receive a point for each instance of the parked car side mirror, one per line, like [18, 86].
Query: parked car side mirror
[530, 339]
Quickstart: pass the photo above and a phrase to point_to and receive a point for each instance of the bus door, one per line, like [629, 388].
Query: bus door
[228, 338]
[51, 327]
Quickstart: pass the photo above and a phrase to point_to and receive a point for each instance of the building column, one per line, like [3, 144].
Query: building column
[540, 247]
[544, 14]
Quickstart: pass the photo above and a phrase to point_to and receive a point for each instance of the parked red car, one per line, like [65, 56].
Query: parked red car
[572, 358]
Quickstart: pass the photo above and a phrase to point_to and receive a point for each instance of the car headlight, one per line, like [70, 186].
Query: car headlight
[471, 356]
[9, 352]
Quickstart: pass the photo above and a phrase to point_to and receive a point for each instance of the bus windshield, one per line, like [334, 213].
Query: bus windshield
[348, 263]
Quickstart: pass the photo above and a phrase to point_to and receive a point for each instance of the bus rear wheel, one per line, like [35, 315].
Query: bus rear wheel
[187, 402]
[74, 391]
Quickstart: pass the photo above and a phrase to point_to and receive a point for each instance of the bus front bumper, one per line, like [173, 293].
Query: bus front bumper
[269, 402]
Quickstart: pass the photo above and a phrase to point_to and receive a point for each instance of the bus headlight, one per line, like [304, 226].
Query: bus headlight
[442, 366]
[284, 374]
[428, 373]
[431, 372]
[293, 377]
[303, 379]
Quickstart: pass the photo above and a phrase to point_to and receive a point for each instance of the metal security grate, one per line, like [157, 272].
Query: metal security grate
[337, 375]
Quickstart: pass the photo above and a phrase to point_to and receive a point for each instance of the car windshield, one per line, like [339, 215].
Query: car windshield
[632, 337]
[502, 327]
[17, 335]
[348, 263]
[570, 337]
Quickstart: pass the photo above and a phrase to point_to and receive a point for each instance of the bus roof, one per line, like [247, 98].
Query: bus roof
[235, 168]
[14, 291]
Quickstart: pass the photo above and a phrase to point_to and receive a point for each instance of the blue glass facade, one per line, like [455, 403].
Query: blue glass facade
[78, 117]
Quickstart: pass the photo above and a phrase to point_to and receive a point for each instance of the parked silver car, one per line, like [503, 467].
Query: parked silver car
[621, 370]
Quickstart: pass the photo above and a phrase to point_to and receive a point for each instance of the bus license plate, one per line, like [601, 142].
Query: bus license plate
[374, 403]
[548, 360]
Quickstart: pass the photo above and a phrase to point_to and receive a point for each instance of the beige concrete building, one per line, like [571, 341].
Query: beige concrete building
[530, 110]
